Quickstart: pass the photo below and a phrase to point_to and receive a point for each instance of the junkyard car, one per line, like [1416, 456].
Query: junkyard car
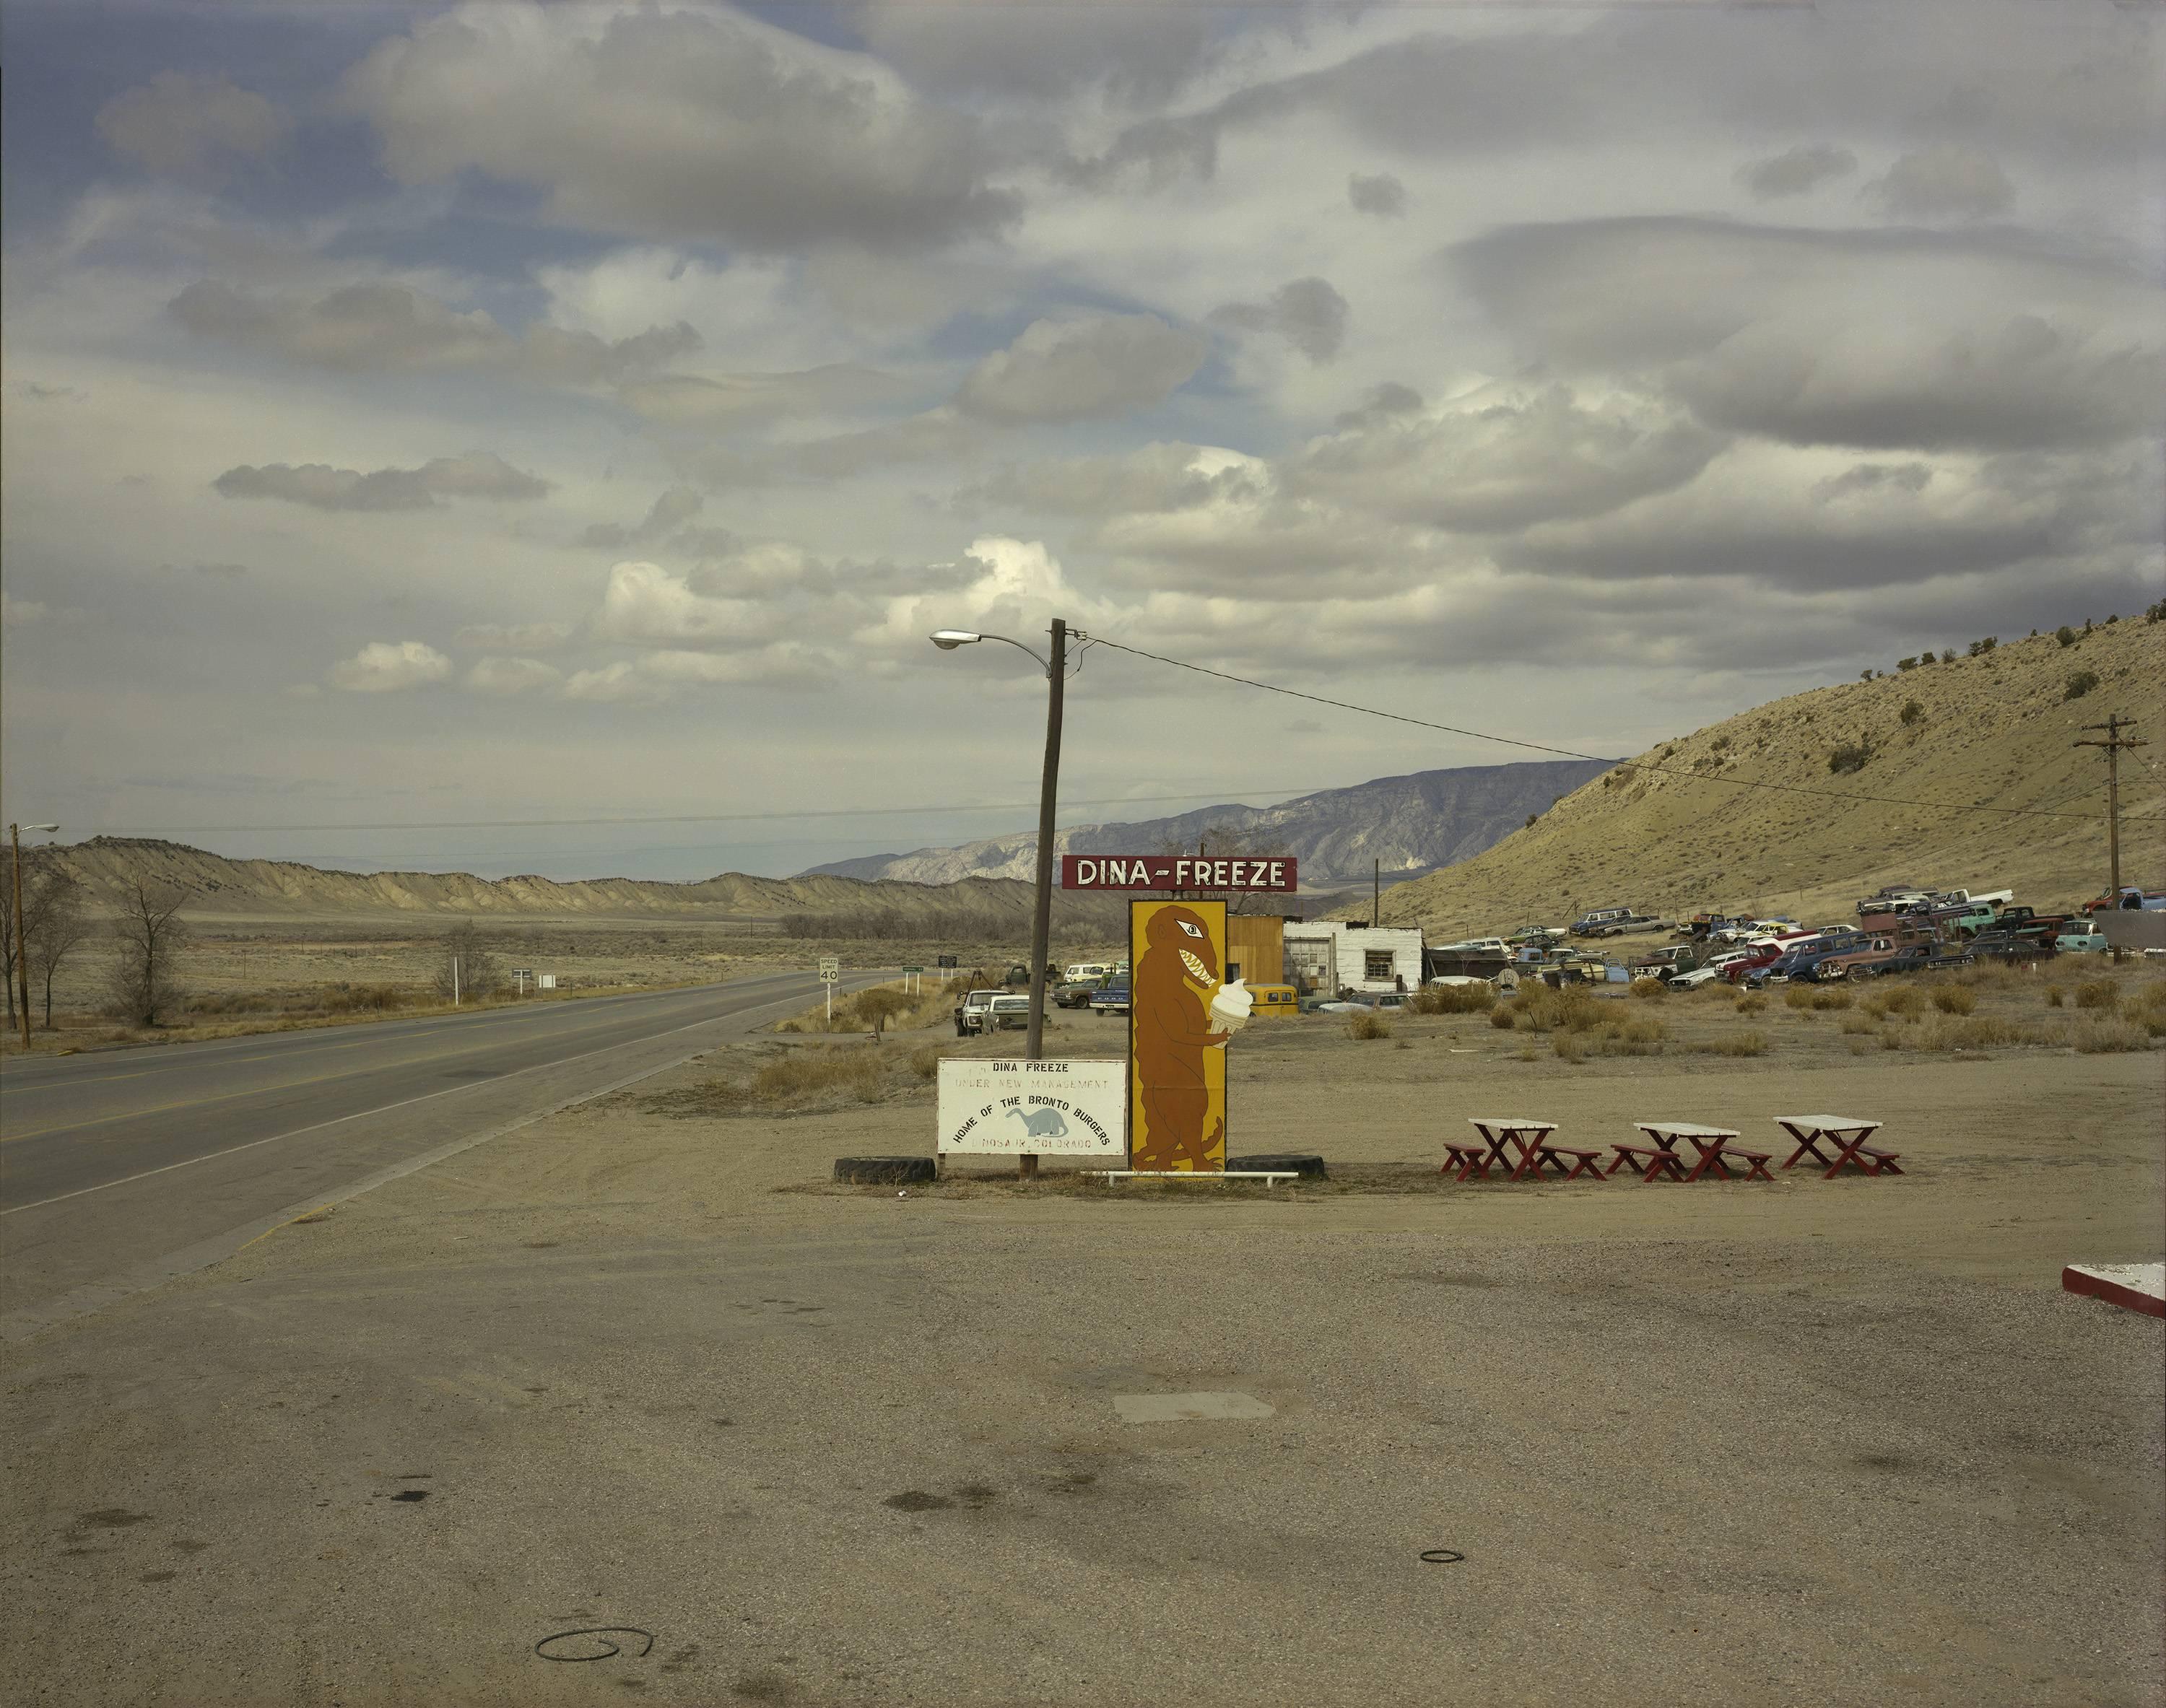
[2081, 942]
[1110, 998]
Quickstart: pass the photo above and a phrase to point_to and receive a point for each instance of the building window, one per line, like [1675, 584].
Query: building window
[1376, 963]
[1232, 971]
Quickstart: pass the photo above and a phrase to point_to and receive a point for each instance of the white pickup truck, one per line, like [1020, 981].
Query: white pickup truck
[983, 1011]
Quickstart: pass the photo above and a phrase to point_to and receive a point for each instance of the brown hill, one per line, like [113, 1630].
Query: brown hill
[1994, 730]
[217, 887]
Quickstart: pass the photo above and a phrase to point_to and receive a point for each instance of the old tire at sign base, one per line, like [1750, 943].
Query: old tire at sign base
[884, 1171]
[1307, 1167]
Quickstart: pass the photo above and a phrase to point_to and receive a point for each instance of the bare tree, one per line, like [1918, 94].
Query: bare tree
[60, 929]
[145, 986]
[45, 887]
[467, 967]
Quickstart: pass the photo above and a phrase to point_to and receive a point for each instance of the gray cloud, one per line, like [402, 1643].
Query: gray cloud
[1507, 465]
[1153, 477]
[1795, 171]
[731, 400]
[386, 667]
[1136, 53]
[1308, 314]
[373, 326]
[704, 126]
[670, 511]
[1380, 193]
[1081, 369]
[1871, 477]
[182, 126]
[1947, 182]
[477, 474]
[1881, 338]
[1384, 402]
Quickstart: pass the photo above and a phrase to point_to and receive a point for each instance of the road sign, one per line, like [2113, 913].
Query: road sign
[831, 969]
[1276, 874]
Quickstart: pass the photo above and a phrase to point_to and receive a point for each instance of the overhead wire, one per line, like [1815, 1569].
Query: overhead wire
[1689, 775]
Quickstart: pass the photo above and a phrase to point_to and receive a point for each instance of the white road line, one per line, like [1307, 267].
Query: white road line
[384, 1109]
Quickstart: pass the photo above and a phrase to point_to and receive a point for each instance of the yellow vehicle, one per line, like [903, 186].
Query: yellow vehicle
[1273, 999]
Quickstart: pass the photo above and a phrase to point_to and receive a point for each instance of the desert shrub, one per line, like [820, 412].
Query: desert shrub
[1739, 1044]
[1649, 987]
[1568, 1046]
[925, 1060]
[1455, 998]
[1905, 999]
[1813, 998]
[2098, 1036]
[1721, 743]
[1906, 664]
[1504, 1018]
[2096, 993]
[1848, 756]
[1752, 1001]
[2079, 684]
[1368, 1025]
[1954, 999]
[1857, 1025]
[2065, 635]
[1797, 996]
[1891, 1038]
[2147, 1008]
[1978, 649]
[804, 1074]
[1912, 711]
[1572, 1009]
[1975, 1032]
[2054, 996]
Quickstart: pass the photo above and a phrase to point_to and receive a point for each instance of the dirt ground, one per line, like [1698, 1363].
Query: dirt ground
[644, 1365]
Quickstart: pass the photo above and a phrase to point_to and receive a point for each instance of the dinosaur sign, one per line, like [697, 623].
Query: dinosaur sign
[1182, 1012]
[1042, 1108]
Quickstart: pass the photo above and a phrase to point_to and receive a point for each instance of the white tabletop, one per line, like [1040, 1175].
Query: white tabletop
[1685, 1129]
[1825, 1123]
[1512, 1123]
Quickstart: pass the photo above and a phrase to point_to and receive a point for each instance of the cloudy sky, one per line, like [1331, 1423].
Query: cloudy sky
[503, 412]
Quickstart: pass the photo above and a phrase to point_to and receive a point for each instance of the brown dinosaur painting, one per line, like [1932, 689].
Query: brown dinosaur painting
[1176, 970]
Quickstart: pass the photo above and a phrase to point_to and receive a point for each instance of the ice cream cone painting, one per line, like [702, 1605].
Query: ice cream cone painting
[1181, 1014]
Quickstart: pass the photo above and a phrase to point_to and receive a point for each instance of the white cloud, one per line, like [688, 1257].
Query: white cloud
[512, 676]
[183, 126]
[644, 602]
[515, 637]
[1083, 368]
[477, 474]
[384, 667]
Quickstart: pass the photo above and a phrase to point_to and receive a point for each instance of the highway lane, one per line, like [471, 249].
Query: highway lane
[119, 1168]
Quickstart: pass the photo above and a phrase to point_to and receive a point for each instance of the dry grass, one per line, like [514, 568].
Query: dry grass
[886, 1008]
[2054, 996]
[1906, 1000]
[1812, 998]
[1860, 1024]
[1650, 987]
[2099, 1038]
[1364, 1026]
[1455, 998]
[1954, 999]
[2098, 994]
[1737, 1044]
[1751, 1003]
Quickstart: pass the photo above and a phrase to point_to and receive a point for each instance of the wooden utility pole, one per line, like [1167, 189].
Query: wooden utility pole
[2113, 744]
[1041, 923]
[22, 948]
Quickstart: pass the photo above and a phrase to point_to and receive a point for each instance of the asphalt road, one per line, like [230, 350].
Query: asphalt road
[119, 1169]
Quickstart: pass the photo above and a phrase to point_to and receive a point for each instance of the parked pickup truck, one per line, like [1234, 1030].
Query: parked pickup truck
[1861, 961]
[1077, 993]
[1923, 957]
[1111, 998]
[1665, 962]
[2128, 899]
[2079, 939]
[2011, 946]
[983, 1011]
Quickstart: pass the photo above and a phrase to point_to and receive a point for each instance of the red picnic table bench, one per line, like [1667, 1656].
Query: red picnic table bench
[1846, 1134]
[1660, 1159]
[1499, 1134]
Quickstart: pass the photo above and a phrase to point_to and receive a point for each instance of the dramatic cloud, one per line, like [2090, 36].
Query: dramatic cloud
[1796, 171]
[1943, 183]
[1308, 314]
[1082, 369]
[1380, 193]
[706, 125]
[367, 328]
[383, 667]
[1868, 338]
[478, 474]
[189, 126]
[645, 603]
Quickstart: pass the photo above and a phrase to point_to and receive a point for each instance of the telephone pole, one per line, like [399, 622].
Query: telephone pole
[2114, 741]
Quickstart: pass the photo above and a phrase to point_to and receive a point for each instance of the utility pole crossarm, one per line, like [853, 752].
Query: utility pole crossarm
[2114, 744]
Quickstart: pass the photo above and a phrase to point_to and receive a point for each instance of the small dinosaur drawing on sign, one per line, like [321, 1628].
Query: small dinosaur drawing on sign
[1042, 1123]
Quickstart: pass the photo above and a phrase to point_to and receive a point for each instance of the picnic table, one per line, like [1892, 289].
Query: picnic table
[1501, 1134]
[1846, 1134]
[1711, 1143]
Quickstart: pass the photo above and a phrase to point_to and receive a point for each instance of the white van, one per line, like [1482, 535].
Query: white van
[1086, 970]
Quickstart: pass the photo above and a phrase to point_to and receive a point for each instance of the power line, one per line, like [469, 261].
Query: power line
[1619, 764]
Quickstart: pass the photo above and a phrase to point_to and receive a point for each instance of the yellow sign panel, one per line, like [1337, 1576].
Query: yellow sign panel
[1176, 1061]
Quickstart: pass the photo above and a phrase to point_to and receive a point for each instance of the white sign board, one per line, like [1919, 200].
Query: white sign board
[1045, 1108]
[831, 969]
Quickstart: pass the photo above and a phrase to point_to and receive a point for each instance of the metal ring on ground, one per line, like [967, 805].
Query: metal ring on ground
[1441, 1557]
[604, 1632]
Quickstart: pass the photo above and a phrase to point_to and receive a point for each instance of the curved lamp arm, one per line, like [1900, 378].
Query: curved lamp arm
[948, 639]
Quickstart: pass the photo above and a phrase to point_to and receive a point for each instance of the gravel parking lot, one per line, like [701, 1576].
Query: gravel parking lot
[640, 1366]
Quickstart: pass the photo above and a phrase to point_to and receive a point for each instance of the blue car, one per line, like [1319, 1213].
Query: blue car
[1112, 998]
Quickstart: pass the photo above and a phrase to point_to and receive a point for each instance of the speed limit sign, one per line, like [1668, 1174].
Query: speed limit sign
[831, 969]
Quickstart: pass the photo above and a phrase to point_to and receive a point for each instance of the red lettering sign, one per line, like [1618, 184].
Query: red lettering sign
[1275, 873]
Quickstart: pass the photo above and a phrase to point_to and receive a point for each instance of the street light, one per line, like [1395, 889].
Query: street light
[1055, 668]
[22, 948]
